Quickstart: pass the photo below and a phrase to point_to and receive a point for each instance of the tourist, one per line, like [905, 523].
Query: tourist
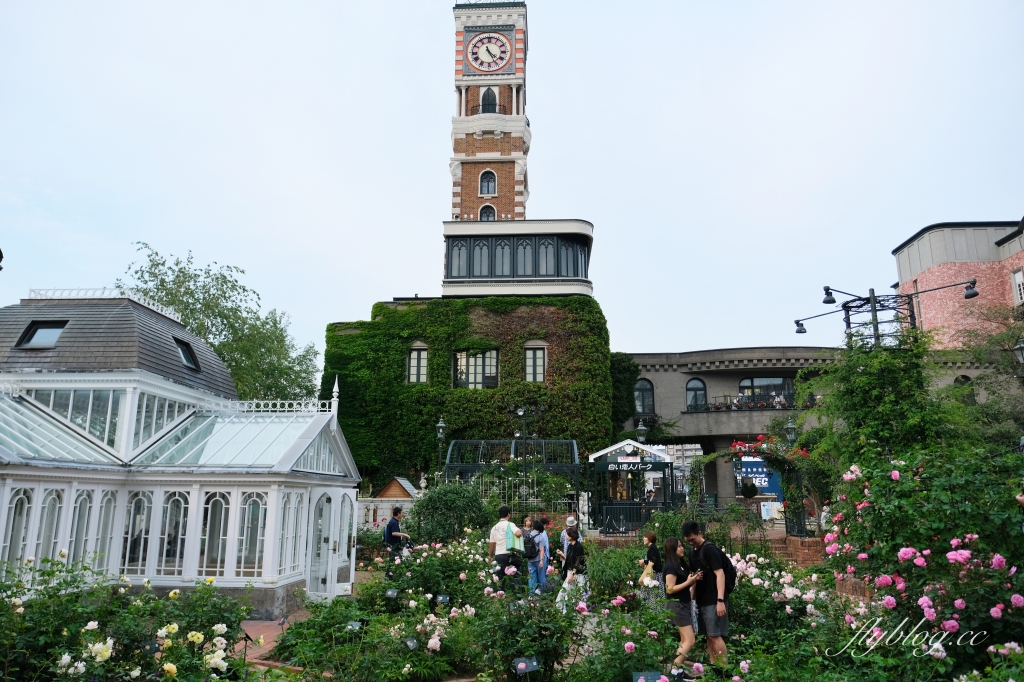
[547, 556]
[393, 531]
[538, 565]
[652, 570]
[679, 585]
[574, 569]
[710, 593]
[570, 522]
[505, 536]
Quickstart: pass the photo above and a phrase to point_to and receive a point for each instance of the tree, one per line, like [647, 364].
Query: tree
[625, 372]
[263, 358]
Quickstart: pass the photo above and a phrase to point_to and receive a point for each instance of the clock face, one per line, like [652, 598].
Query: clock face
[489, 51]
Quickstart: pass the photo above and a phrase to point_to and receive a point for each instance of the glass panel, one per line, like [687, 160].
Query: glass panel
[80, 526]
[80, 409]
[535, 365]
[567, 263]
[214, 542]
[321, 545]
[98, 415]
[696, 395]
[488, 183]
[118, 405]
[135, 544]
[459, 259]
[487, 214]
[16, 531]
[172, 534]
[49, 525]
[490, 367]
[251, 529]
[524, 257]
[43, 397]
[158, 419]
[43, 337]
[34, 436]
[546, 258]
[136, 439]
[147, 419]
[62, 403]
[286, 529]
[105, 530]
[767, 386]
[643, 394]
[417, 370]
[480, 257]
[502, 258]
[298, 532]
[583, 262]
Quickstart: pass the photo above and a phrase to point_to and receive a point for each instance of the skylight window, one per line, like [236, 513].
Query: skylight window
[41, 334]
[188, 356]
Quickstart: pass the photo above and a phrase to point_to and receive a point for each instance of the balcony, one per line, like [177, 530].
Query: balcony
[779, 401]
[489, 109]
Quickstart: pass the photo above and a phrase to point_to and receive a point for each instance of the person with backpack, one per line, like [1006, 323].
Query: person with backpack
[718, 577]
[536, 548]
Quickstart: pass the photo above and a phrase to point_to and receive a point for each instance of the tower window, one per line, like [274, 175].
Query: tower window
[487, 214]
[41, 335]
[535, 365]
[488, 102]
[479, 370]
[188, 356]
[417, 370]
[480, 258]
[459, 259]
[696, 396]
[643, 394]
[488, 183]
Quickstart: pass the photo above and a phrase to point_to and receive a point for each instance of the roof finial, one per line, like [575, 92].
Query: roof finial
[335, 387]
[334, 403]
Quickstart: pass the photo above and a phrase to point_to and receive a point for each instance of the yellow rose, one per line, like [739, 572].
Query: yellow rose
[170, 669]
[195, 637]
[172, 628]
[173, 594]
[209, 581]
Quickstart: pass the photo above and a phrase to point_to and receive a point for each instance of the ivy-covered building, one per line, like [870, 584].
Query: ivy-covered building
[516, 324]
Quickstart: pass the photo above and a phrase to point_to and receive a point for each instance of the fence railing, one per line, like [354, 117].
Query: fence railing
[779, 401]
[505, 451]
[488, 109]
[102, 292]
[282, 406]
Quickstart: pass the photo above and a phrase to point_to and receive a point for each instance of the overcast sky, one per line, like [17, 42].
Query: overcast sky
[734, 157]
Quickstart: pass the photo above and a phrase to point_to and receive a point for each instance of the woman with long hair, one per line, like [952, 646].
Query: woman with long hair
[651, 594]
[679, 582]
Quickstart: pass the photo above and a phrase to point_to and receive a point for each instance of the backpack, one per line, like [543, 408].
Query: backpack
[530, 546]
[727, 567]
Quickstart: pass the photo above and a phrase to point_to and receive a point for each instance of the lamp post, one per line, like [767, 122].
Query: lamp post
[873, 304]
[641, 431]
[441, 426]
[796, 521]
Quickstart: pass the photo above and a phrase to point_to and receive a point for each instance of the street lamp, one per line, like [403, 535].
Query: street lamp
[791, 432]
[441, 426]
[641, 431]
[1018, 350]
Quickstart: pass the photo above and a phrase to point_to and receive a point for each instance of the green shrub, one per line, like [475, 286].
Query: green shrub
[444, 512]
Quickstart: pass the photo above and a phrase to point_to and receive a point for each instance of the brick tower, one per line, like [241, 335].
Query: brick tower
[490, 131]
[491, 249]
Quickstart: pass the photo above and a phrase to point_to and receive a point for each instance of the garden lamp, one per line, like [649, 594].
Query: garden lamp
[829, 298]
[800, 329]
[441, 426]
[790, 432]
[641, 431]
[1018, 350]
[969, 290]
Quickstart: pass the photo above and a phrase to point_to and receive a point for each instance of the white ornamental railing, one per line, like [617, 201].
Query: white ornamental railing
[102, 292]
[274, 406]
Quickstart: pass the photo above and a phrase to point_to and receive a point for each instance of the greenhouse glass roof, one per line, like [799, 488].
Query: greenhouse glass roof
[229, 440]
[27, 435]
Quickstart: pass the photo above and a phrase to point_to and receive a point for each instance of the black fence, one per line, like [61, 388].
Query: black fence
[779, 401]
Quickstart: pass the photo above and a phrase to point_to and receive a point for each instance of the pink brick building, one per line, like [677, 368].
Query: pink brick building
[947, 253]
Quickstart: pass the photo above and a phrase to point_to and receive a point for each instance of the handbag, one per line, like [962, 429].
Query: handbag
[511, 541]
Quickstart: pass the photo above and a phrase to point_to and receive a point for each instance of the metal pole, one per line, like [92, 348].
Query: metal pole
[874, 315]
[846, 319]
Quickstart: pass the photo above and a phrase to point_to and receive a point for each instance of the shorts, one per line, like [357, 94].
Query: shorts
[715, 625]
[680, 613]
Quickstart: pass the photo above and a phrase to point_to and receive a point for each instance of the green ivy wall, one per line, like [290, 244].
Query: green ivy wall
[389, 424]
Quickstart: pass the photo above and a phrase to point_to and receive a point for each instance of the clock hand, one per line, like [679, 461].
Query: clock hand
[489, 53]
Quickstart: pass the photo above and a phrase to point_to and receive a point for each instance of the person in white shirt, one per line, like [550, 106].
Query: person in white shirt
[498, 547]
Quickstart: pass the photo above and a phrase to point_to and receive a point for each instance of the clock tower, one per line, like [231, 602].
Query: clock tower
[490, 131]
[491, 249]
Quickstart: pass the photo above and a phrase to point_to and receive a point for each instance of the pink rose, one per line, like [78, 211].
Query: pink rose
[995, 612]
[924, 602]
[1017, 601]
[998, 562]
[960, 604]
[626, 631]
[850, 569]
[604, 612]
[950, 625]
[630, 647]
[895, 475]
[462, 576]
[954, 543]
[652, 634]
[930, 614]
[919, 561]
[889, 602]
[927, 552]
[862, 556]
[744, 667]
[883, 581]
[698, 668]
[906, 554]
[662, 679]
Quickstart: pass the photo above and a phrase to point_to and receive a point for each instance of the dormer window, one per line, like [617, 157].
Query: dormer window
[41, 334]
[188, 356]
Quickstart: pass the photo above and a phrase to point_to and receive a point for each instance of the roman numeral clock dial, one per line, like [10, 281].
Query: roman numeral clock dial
[489, 51]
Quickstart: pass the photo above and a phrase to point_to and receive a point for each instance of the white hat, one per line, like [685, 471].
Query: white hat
[570, 521]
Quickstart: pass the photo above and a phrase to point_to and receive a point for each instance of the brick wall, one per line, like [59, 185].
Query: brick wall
[504, 203]
[805, 551]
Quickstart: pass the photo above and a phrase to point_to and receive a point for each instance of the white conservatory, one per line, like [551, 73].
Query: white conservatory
[121, 442]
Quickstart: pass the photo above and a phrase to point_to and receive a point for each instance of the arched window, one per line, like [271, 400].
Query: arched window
[172, 534]
[643, 394]
[696, 396]
[583, 262]
[567, 259]
[105, 529]
[546, 258]
[459, 259]
[213, 545]
[47, 536]
[135, 544]
[481, 259]
[524, 257]
[487, 214]
[80, 526]
[488, 102]
[502, 258]
[252, 527]
[16, 532]
[488, 183]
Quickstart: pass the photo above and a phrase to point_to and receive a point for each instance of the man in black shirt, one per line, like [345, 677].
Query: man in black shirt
[711, 596]
[393, 531]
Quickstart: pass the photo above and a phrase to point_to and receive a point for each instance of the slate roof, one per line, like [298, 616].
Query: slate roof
[106, 335]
